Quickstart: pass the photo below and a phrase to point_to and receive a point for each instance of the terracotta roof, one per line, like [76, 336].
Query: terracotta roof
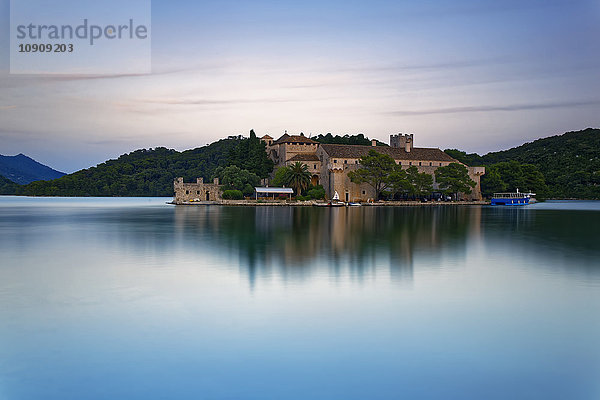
[293, 138]
[266, 137]
[417, 153]
[305, 157]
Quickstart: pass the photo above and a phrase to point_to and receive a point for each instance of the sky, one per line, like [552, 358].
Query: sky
[470, 74]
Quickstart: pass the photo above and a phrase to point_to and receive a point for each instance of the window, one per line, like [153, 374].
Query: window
[335, 161]
[364, 192]
[419, 163]
[187, 192]
[345, 161]
[430, 164]
[440, 164]
[356, 162]
[410, 163]
[197, 192]
[315, 166]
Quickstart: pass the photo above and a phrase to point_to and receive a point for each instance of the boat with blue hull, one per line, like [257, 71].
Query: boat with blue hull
[512, 199]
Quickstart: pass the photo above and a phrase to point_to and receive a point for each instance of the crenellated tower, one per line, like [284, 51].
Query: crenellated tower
[402, 141]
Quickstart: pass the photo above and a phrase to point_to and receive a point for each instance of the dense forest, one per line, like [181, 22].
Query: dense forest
[7, 186]
[568, 163]
[151, 172]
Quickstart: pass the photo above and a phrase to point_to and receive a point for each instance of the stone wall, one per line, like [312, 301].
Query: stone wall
[475, 173]
[348, 190]
[196, 192]
[280, 153]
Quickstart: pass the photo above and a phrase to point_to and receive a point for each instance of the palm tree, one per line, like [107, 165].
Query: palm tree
[298, 177]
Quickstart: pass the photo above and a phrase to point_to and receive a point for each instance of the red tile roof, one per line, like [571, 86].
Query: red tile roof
[294, 139]
[305, 157]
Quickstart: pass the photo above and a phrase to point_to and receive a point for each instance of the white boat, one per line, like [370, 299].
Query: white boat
[335, 202]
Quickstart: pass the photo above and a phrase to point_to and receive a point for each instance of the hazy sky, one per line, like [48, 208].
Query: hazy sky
[475, 75]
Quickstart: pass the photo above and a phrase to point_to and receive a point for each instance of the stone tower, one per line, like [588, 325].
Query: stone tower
[401, 141]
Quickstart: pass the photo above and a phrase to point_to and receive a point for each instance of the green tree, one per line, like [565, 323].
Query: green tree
[419, 183]
[234, 178]
[316, 192]
[7, 186]
[492, 182]
[454, 179]
[248, 190]
[375, 170]
[472, 159]
[512, 175]
[298, 177]
[250, 154]
[398, 181]
[534, 180]
[358, 139]
[280, 176]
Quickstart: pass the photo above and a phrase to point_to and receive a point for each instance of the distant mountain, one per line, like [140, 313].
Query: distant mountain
[570, 163]
[23, 170]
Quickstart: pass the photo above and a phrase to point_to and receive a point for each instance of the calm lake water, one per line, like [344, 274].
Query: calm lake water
[136, 299]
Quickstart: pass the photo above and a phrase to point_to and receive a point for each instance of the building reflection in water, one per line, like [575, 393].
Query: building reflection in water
[297, 242]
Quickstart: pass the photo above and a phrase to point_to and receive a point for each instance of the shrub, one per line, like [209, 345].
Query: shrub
[248, 190]
[233, 195]
[317, 193]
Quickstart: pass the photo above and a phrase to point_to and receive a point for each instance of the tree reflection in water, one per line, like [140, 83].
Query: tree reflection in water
[295, 241]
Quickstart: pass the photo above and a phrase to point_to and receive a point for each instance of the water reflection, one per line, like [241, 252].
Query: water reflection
[123, 299]
[299, 242]
[559, 239]
[294, 239]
